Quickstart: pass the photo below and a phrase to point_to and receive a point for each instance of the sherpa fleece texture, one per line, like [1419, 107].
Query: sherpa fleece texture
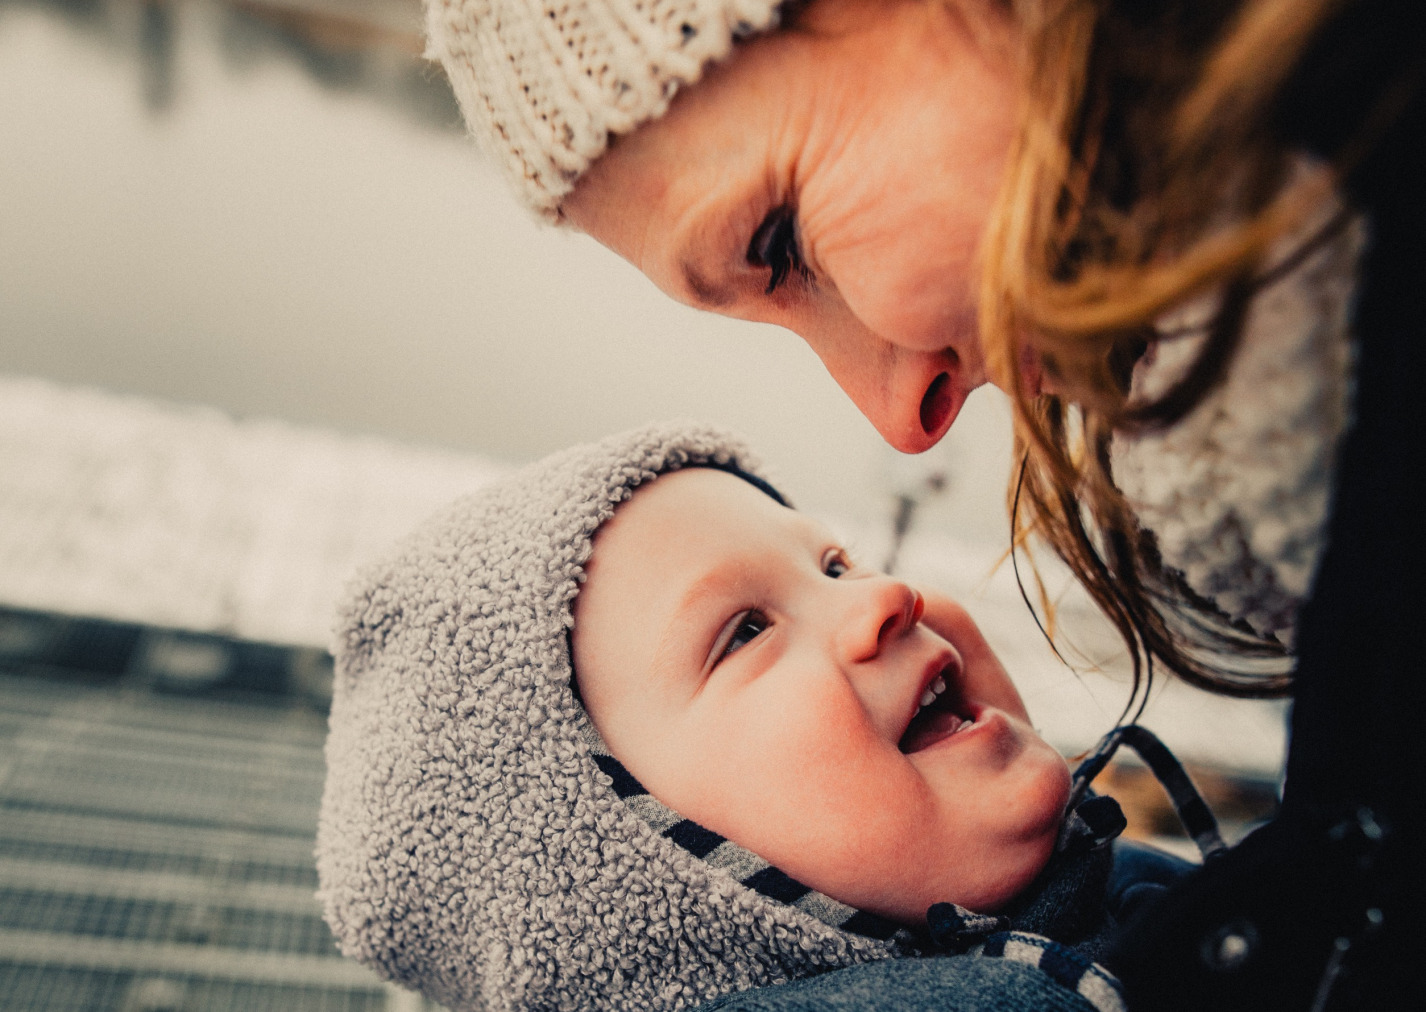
[470, 845]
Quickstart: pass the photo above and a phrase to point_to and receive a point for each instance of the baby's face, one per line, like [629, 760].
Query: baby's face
[757, 681]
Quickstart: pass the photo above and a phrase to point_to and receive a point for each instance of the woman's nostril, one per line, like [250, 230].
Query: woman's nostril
[936, 404]
[888, 627]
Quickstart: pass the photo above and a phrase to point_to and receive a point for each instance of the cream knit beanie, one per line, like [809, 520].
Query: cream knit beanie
[477, 841]
[544, 84]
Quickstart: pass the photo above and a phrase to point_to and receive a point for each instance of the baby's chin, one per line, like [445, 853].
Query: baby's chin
[992, 890]
[986, 896]
[1015, 860]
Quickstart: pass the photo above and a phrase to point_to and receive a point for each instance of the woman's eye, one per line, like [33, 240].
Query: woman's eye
[836, 565]
[750, 625]
[775, 247]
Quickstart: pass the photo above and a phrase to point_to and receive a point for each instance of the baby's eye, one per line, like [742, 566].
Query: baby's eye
[750, 625]
[836, 564]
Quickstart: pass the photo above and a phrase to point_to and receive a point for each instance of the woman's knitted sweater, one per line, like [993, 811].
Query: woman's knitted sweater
[1237, 493]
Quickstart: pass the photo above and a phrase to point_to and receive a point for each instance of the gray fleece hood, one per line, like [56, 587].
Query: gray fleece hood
[477, 842]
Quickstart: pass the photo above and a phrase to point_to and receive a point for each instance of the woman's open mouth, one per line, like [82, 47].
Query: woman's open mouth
[941, 714]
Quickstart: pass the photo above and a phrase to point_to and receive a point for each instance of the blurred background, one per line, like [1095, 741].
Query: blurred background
[262, 307]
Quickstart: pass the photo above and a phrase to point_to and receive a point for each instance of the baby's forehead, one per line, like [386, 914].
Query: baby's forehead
[701, 498]
[696, 513]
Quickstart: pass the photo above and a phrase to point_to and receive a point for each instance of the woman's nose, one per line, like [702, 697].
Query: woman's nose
[910, 396]
[877, 610]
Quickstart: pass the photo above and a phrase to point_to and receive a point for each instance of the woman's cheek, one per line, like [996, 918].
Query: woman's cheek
[898, 309]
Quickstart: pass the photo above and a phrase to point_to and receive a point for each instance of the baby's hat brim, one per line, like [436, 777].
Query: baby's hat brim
[470, 846]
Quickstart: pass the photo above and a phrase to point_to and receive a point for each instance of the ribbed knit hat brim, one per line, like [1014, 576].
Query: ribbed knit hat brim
[472, 844]
[544, 85]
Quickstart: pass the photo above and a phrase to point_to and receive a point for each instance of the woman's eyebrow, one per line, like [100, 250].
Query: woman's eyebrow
[707, 293]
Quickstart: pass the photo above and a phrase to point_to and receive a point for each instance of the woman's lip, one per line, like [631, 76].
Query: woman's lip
[941, 401]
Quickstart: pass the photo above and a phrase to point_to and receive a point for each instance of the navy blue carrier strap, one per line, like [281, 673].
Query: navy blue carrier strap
[1193, 812]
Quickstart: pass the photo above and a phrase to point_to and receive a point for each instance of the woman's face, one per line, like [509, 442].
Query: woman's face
[834, 178]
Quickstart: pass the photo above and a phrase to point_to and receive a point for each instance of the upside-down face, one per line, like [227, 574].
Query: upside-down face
[835, 178]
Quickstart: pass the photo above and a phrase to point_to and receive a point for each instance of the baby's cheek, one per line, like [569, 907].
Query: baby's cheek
[1034, 803]
[815, 754]
[1055, 782]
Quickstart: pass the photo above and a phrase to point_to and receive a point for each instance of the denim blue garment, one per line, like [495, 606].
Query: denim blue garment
[1141, 873]
[933, 984]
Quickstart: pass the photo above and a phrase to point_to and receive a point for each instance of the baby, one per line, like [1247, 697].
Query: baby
[625, 731]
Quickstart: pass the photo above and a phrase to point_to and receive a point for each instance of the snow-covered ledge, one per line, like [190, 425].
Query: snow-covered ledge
[123, 508]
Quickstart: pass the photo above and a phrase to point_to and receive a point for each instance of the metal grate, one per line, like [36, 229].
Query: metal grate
[29, 989]
[158, 800]
[130, 916]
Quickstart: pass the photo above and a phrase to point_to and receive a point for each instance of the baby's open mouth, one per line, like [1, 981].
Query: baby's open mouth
[940, 715]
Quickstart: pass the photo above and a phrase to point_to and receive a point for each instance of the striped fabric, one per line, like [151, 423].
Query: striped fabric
[1060, 963]
[1193, 811]
[743, 865]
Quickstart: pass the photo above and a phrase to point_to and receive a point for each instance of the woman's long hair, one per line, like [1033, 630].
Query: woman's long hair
[1145, 172]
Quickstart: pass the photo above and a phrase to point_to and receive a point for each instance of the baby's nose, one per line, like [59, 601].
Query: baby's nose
[882, 609]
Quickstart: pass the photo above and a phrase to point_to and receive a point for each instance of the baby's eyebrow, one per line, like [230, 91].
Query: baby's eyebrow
[693, 603]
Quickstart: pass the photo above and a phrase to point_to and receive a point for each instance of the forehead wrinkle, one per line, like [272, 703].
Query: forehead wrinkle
[811, 141]
[833, 191]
